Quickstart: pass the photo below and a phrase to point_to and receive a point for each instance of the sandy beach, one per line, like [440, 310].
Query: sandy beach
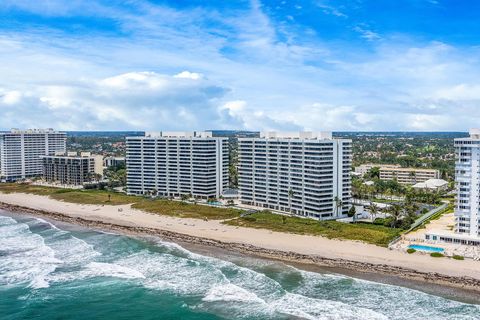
[310, 249]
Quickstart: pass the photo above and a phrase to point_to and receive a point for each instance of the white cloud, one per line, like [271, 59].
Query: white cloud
[367, 34]
[189, 75]
[11, 97]
[196, 69]
[135, 100]
[327, 9]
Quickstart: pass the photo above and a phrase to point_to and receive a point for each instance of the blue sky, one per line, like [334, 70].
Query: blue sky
[258, 65]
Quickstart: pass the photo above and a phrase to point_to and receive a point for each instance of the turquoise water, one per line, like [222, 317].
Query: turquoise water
[425, 248]
[48, 272]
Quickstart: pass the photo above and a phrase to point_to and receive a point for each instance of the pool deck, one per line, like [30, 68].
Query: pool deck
[443, 225]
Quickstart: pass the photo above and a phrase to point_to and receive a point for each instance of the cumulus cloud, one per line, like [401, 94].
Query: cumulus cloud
[132, 100]
[187, 69]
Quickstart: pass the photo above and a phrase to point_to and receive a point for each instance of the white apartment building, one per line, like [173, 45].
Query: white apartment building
[21, 151]
[305, 173]
[177, 163]
[467, 178]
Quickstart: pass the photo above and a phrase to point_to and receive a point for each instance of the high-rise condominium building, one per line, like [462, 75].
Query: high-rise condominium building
[177, 163]
[71, 168]
[306, 174]
[467, 178]
[21, 151]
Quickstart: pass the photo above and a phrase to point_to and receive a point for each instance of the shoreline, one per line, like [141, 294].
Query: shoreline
[462, 282]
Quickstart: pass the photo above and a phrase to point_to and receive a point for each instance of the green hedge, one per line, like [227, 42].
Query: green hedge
[436, 255]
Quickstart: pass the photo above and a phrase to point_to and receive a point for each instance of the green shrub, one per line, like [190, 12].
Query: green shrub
[411, 250]
[249, 218]
[436, 255]
[457, 257]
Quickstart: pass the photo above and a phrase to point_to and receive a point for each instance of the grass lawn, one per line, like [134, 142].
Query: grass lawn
[186, 210]
[163, 207]
[70, 195]
[374, 234]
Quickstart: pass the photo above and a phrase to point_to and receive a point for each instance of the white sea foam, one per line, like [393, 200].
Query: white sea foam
[308, 308]
[52, 226]
[112, 270]
[25, 257]
[73, 251]
[231, 293]
[221, 287]
[176, 274]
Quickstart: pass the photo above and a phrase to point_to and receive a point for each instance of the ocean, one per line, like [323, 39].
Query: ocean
[52, 271]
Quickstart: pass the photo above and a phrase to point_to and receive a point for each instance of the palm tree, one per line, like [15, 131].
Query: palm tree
[374, 209]
[338, 204]
[395, 212]
[291, 194]
[410, 214]
[414, 176]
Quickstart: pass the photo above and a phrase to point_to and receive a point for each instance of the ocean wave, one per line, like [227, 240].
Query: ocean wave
[230, 293]
[243, 288]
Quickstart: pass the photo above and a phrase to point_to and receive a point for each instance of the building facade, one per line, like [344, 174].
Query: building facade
[306, 174]
[21, 152]
[364, 168]
[113, 161]
[71, 169]
[408, 176]
[177, 163]
[467, 178]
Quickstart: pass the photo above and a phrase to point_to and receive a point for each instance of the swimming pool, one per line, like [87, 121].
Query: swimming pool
[215, 203]
[425, 248]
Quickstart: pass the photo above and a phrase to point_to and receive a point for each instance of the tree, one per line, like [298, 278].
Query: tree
[291, 194]
[374, 209]
[352, 211]
[185, 197]
[413, 175]
[395, 212]
[409, 214]
[373, 173]
[338, 204]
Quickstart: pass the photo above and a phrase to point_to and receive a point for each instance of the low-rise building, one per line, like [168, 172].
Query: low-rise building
[113, 161]
[408, 176]
[71, 168]
[432, 185]
[402, 175]
[364, 168]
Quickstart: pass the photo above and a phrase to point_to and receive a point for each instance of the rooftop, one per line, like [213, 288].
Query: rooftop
[179, 134]
[431, 184]
[296, 135]
[32, 131]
